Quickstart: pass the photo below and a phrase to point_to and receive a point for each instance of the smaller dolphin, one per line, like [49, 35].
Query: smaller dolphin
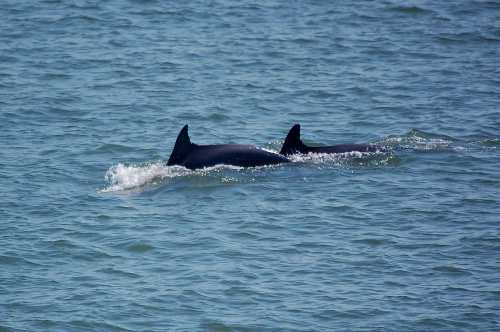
[195, 156]
[293, 144]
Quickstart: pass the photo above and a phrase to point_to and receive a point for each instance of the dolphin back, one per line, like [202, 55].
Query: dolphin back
[293, 144]
[182, 148]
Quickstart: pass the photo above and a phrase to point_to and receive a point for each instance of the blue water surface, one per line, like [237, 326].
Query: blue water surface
[98, 234]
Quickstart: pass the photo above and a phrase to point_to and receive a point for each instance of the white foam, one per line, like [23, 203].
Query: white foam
[326, 157]
[123, 177]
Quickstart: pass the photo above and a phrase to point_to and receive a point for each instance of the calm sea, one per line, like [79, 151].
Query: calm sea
[97, 234]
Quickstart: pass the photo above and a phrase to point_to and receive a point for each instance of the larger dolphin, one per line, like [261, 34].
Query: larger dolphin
[293, 144]
[195, 156]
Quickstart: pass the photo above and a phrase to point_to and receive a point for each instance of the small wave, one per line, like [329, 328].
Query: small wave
[105, 148]
[373, 242]
[139, 247]
[422, 141]
[8, 260]
[450, 269]
[217, 117]
[419, 140]
[118, 272]
[411, 10]
[491, 142]
[77, 18]
[14, 260]
[466, 37]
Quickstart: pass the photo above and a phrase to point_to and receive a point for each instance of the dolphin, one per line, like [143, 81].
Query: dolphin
[194, 156]
[293, 144]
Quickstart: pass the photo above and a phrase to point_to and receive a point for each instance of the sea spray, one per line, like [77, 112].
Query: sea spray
[123, 177]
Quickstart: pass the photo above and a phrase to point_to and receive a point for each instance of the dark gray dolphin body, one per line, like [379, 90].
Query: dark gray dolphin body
[195, 156]
[293, 144]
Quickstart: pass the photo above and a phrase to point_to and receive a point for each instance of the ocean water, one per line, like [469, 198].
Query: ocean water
[98, 234]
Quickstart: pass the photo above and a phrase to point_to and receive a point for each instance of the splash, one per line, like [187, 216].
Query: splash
[126, 177]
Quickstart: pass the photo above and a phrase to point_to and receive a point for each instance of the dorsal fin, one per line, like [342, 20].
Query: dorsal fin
[182, 147]
[293, 144]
